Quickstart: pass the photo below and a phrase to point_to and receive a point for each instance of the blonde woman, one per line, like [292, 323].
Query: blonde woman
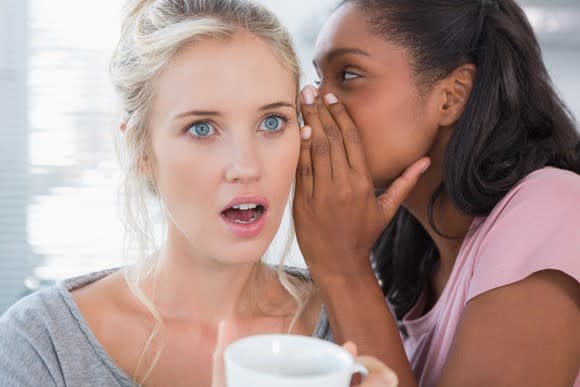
[210, 91]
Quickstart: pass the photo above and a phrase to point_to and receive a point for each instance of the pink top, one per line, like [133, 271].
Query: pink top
[538, 223]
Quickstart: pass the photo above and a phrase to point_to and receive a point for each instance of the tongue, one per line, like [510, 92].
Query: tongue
[239, 215]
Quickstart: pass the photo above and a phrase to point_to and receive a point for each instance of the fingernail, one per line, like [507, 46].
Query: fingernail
[308, 95]
[426, 167]
[306, 132]
[392, 379]
[330, 99]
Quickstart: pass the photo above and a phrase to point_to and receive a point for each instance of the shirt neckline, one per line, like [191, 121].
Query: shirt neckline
[66, 286]
[424, 323]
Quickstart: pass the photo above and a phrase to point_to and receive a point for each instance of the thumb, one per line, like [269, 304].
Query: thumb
[225, 336]
[379, 374]
[351, 348]
[391, 199]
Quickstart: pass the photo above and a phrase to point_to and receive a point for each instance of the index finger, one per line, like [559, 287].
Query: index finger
[350, 134]
[304, 182]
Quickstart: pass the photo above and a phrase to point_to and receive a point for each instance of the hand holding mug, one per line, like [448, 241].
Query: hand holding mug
[285, 360]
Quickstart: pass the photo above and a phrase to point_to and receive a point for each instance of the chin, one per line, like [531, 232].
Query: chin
[383, 179]
[381, 183]
[243, 253]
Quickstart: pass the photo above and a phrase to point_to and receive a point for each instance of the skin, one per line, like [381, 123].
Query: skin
[370, 122]
[379, 374]
[244, 83]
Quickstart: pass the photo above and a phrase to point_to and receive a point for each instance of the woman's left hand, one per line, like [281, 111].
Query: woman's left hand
[226, 335]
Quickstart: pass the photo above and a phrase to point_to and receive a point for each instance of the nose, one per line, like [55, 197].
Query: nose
[244, 162]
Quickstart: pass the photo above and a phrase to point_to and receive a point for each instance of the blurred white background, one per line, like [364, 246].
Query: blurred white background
[58, 169]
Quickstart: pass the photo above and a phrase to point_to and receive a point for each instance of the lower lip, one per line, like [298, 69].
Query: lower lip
[247, 230]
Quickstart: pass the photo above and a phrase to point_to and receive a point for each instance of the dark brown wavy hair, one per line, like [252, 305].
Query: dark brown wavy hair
[513, 124]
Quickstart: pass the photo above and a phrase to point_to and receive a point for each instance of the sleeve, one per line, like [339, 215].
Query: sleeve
[23, 363]
[535, 228]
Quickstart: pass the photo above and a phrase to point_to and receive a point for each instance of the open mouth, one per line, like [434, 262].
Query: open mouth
[244, 213]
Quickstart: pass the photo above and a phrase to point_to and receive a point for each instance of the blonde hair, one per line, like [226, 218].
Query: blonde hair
[152, 32]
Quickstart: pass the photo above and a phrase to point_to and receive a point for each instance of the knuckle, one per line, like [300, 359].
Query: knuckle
[321, 147]
[345, 195]
[389, 203]
[333, 134]
[365, 187]
[353, 136]
[308, 110]
[337, 108]
[304, 171]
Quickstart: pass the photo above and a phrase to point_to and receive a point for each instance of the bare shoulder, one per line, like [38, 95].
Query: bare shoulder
[107, 294]
[522, 334]
[115, 318]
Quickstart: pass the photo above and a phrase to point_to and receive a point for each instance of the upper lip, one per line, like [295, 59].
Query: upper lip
[250, 199]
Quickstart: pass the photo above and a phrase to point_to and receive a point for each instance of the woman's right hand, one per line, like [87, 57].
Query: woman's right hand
[336, 213]
[338, 219]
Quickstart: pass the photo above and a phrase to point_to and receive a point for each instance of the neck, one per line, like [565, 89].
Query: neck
[187, 287]
[451, 225]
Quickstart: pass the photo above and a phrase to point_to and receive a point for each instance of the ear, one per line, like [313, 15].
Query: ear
[144, 165]
[123, 125]
[456, 89]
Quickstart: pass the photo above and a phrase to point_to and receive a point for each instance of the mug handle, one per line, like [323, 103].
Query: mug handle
[358, 368]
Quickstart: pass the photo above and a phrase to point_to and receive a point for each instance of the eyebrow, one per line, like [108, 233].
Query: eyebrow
[332, 55]
[269, 106]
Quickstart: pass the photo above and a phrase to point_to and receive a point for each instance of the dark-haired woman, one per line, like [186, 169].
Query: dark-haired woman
[481, 264]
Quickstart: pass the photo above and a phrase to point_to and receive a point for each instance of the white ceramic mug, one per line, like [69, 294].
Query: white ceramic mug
[288, 361]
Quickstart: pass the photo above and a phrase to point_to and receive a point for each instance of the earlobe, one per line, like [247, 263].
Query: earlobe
[145, 166]
[457, 88]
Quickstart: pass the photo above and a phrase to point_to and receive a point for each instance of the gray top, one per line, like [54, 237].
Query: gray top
[45, 341]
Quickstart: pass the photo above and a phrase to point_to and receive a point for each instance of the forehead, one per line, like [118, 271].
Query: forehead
[347, 28]
[345, 25]
[219, 71]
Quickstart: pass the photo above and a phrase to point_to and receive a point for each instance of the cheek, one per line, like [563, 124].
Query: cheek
[393, 129]
[283, 159]
[183, 173]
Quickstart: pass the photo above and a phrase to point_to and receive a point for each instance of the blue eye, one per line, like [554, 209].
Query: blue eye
[272, 124]
[201, 129]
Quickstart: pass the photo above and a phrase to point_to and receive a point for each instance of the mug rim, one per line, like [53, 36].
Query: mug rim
[229, 356]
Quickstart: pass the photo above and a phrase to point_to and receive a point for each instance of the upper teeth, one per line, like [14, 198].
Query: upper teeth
[245, 206]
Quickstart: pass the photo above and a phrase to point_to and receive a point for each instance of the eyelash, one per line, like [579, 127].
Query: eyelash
[344, 72]
[285, 120]
[341, 78]
[188, 127]
[282, 117]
